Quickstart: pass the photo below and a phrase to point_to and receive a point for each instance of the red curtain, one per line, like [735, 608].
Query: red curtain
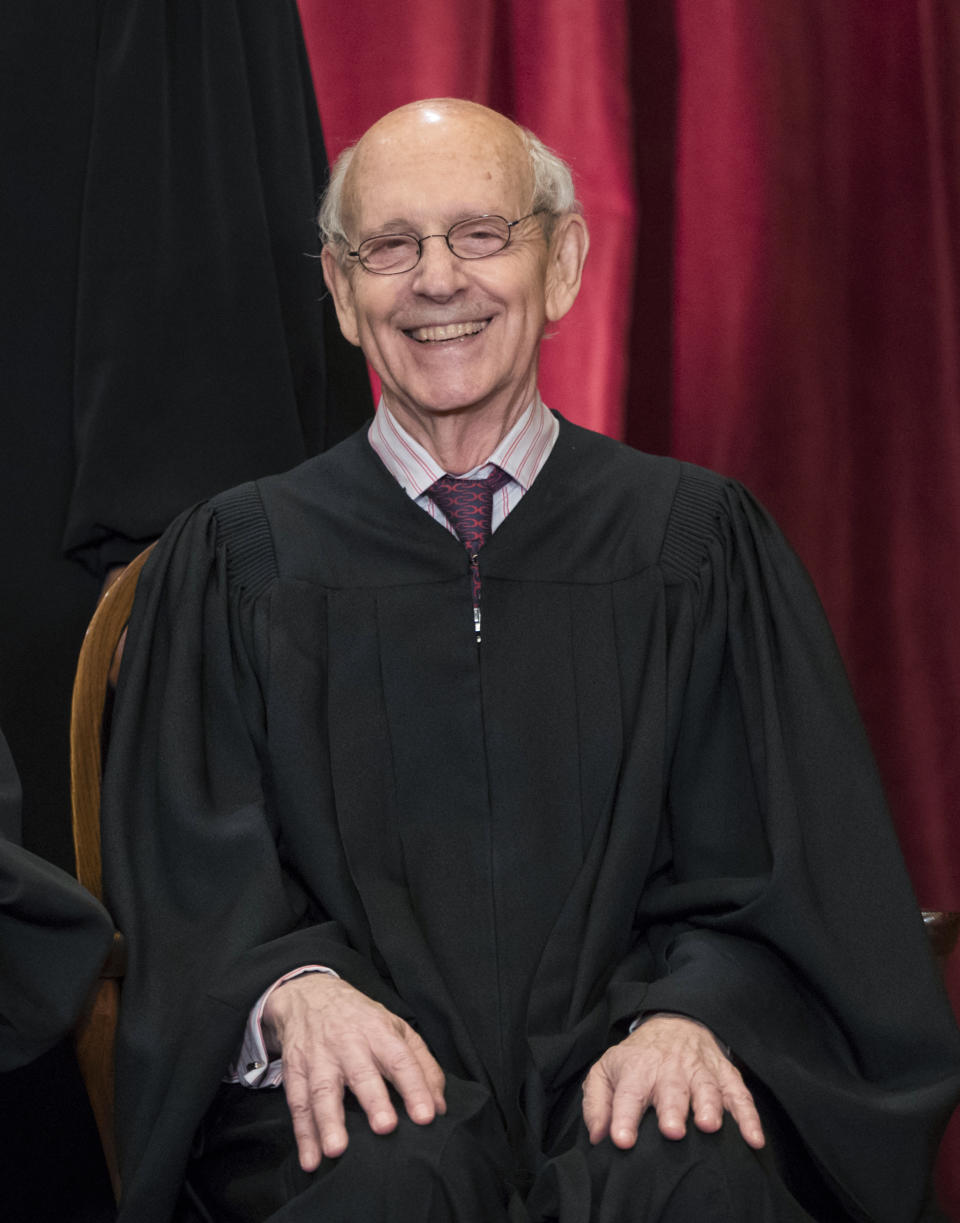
[817, 351]
[773, 290]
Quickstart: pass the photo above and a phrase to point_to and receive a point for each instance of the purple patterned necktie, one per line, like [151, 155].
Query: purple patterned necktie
[468, 505]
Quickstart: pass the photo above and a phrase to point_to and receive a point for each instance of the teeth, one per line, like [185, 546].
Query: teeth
[451, 331]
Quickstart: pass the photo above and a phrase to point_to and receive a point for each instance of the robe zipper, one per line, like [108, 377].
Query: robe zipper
[475, 588]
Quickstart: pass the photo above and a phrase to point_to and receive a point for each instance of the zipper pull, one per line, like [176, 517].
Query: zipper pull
[475, 586]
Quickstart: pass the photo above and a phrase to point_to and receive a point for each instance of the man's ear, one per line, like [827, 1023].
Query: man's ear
[341, 290]
[569, 244]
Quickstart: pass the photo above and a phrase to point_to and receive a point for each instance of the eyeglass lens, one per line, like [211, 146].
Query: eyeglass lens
[470, 239]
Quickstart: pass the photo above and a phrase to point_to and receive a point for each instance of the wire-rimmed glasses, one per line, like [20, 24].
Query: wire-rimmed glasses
[475, 238]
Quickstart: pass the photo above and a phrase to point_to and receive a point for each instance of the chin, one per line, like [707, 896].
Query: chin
[444, 402]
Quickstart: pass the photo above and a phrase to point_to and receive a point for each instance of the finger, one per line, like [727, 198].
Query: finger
[706, 1104]
[631, 1098]
[671, 1099]
[597, 1104]
[324, 1089]
[740, 1105]
[326, 1100]
[432, 1072]
[316, 1111]
[364, 1079]
[402, 1067]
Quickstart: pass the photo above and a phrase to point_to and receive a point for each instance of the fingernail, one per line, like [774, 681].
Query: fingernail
[382, 1119]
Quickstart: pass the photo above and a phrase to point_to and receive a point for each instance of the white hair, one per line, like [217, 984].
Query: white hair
[553, 192]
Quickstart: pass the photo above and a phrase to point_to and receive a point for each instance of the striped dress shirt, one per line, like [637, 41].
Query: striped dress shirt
[521, 454]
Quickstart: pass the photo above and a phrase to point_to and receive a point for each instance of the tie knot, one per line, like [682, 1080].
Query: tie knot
[468, 505]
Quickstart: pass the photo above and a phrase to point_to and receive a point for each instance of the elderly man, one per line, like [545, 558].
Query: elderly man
[496, 789]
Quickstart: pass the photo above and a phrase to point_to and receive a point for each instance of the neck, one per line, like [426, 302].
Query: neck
[463, 438]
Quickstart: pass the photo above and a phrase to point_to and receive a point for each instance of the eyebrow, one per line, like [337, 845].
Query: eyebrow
[400, 224]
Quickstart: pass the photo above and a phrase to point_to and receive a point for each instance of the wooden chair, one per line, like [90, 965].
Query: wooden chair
[942, 931]
[97, 1026]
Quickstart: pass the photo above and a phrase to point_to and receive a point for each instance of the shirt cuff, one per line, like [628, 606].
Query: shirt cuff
[254, 1067]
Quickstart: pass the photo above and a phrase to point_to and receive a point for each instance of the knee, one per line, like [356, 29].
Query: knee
[706, 1178]
[453, 1168]
[702, 1178]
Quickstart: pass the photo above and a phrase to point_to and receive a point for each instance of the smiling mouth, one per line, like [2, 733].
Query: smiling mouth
[449, 331]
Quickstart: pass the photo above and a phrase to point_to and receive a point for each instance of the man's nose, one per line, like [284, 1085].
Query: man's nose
[439, 272]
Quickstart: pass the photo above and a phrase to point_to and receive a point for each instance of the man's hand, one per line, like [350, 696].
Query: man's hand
[331, 1037]
[675, 1065]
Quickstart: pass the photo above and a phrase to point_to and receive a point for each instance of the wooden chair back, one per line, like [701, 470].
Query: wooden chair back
[96, 1030]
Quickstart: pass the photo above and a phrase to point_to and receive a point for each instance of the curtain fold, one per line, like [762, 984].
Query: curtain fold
[816, 345]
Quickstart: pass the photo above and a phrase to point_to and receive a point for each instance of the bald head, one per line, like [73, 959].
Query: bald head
[426, 120]
[443, 129]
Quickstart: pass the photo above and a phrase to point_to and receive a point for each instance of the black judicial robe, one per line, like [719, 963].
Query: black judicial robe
[54, 937]
[648, 789]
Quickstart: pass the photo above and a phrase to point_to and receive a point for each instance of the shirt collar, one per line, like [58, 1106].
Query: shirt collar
[521, 454]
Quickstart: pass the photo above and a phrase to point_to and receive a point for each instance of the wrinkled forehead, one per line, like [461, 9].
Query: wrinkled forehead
[436, 167]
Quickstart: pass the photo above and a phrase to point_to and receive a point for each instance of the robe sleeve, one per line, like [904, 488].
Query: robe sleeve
[194, 873]
[781, 915]
[54, 936]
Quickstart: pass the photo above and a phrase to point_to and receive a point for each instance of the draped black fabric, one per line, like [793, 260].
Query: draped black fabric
[166, 331]
[460, 1169]
[53, 939]
[648, 789]
[200, 319]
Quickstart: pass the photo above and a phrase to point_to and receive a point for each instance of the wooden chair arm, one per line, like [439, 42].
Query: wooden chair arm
[943, 929]
[115, 965]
